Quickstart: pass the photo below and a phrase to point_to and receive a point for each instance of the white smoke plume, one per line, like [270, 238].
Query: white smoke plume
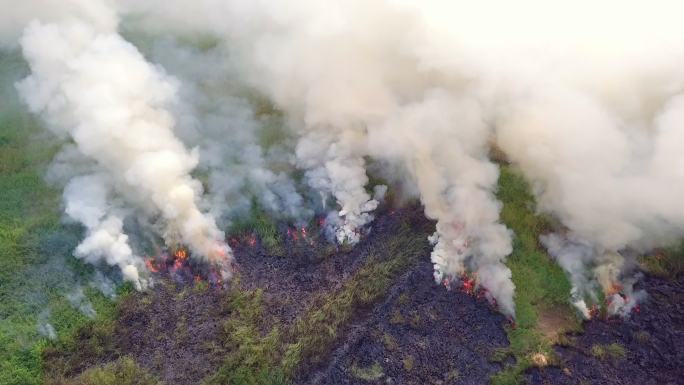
[44, 327]
[237, 151]
[97, 90]
[78, 299]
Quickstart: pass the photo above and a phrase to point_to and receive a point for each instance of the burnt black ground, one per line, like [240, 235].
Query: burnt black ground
[421, 334]
[653, 340]
[313, 267]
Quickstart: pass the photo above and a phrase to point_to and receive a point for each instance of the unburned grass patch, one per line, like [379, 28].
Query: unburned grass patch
[541, 287]
[373, 372]
[605, 352]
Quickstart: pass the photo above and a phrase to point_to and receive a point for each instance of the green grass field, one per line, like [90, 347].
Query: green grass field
[36, 267]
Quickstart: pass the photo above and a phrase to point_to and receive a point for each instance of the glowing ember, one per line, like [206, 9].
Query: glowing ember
[594, 311]
[512, 323]
[150, 265]
[468, 285]
[178, 267]
[293, 234]
[181, 254]
[446, 283]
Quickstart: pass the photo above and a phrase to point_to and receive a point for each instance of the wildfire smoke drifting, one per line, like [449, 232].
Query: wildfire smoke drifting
[585, 98]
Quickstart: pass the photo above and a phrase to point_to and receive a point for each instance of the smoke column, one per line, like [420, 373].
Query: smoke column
[96, 89]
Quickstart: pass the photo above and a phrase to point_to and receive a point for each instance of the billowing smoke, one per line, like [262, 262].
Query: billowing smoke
[97, 90]
[368, 96]
[245, 154]
[585, 98]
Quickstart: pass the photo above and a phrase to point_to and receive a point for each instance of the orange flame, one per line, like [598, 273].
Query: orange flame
[252, 240]
[150, 266]
[594, 311]
[181, 255]
[468, 285]
[613, 289]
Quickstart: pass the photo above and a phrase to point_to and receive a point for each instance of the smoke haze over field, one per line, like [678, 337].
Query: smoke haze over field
[586, 99]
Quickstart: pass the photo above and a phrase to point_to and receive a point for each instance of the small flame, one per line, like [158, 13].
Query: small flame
[614, 288]
[594, 311]
[150, 265]
[468, 285]
[446, 283]
[181, 255]
[511, 322]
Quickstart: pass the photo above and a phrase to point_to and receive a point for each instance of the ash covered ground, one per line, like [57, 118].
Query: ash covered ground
[417, 332]
[652, 342]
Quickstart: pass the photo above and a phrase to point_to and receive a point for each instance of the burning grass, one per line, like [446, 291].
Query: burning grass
[259, 224]
[665, 263]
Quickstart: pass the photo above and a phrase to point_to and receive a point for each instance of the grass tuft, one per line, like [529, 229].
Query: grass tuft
[605, 352]
[370, 373]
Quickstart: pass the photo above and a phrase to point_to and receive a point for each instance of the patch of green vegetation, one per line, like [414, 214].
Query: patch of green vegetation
[499, 355]
[252, 357]
[409, 363]
[403, 299]
[370, 373]
[415, 320]
[453, 375]
[124, 371]
[36, 266]
[605, 352]
[389, 342]
[396, 318]
[63, 358]
[540, 284]
[665, 263]
[258, 222]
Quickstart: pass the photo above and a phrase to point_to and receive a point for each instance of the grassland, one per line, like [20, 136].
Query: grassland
[541, 288]
[36, 270]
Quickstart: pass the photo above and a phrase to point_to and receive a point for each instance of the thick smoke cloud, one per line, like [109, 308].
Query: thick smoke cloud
[584, 98]
[245, 154]
[96, 89]
[368, 96]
